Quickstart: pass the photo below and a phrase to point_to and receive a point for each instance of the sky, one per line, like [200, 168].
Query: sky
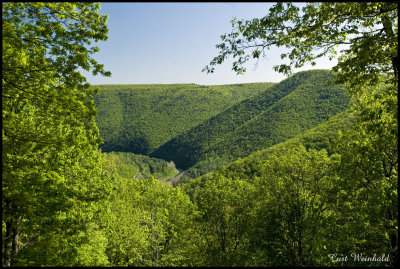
[166, 43]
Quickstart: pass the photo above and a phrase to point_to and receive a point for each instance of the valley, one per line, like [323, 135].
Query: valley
[201, 128]
[140, 118]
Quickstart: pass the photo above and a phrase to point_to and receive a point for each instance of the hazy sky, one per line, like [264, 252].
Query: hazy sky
[152, 43]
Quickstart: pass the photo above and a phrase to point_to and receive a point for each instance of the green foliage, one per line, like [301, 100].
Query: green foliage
[150, 225]
[274, 216]
[53, 184]
[281, 112]
[92, 252]
[203, 167]
[349, 200]
[225, 207]
[320, 137]
[323, 136]
[126, 237]
[293, 208]
[368, 30]
[140, 118]
[367, 192]
[299, 206]
[133, 166]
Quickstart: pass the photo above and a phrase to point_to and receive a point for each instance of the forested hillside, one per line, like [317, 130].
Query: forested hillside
[289, 108]
[320, 137]
[140, 118]
[134, 166]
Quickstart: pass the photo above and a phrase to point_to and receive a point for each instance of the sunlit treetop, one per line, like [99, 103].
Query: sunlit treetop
[52, 40]
[368, 32]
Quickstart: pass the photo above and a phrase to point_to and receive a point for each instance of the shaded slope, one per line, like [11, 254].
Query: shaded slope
[283, 111]
[319, 137]
[140, 118]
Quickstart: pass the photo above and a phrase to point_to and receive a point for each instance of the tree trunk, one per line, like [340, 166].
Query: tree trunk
[7, 244]
[15, 240]
[387, 25]
[11, 241]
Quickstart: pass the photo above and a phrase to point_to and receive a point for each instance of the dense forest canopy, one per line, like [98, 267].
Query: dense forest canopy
[283, 111]
[316, 183]
[53, 184]
[140, 118]
[322, 136]
[134, 166]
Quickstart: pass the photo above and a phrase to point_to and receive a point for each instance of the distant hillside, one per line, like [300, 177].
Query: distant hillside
[283, 111]
[319, 137]
[140, 118]
[130, 165]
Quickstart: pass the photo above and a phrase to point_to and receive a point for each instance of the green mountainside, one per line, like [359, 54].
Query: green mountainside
[140, 118]
[319, 137]
[283, 111]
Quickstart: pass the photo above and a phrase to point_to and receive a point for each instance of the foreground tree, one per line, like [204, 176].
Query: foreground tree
[225, 214]
[366, 194]
[293, 208]
[368, 30]
[53, 184]
[150, 224]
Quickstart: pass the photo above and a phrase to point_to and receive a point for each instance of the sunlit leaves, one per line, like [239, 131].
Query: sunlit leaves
[292, 189]
[225, 207]
[150, 225]
[369, 29]
[369, 170]
[52, 173]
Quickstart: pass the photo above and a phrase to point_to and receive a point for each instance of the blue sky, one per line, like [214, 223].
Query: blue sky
[163, 43]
